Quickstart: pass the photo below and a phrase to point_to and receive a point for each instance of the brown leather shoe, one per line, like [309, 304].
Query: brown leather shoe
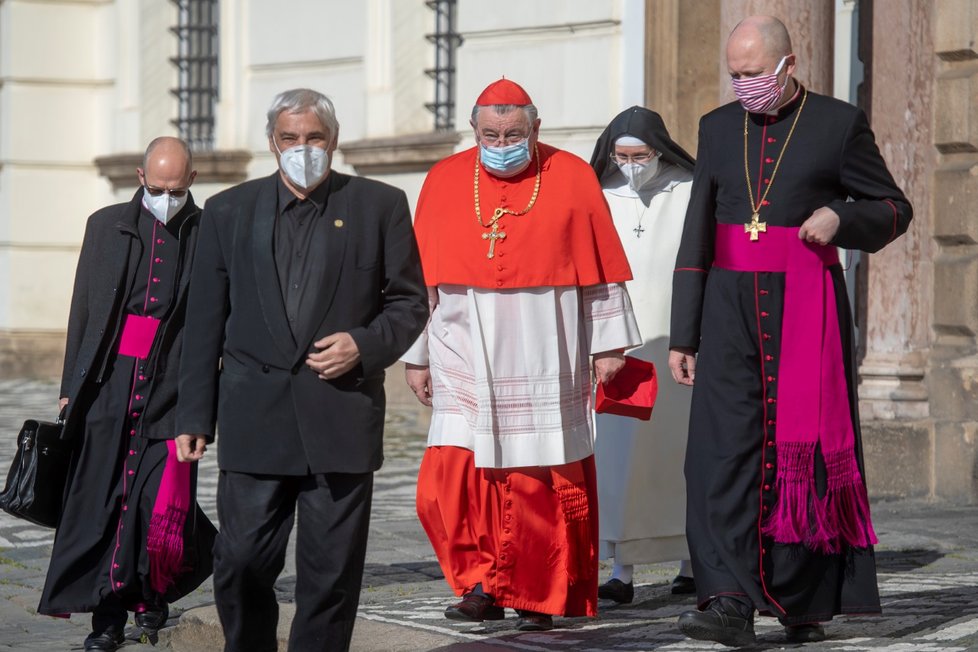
[474, 608]
[532, 621]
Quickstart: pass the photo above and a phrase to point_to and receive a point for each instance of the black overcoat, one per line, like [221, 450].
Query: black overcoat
[733, 319]
[274, 414]
[106, 269]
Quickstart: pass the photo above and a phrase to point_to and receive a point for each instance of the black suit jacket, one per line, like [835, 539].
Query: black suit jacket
[106, 268]
[273, 413]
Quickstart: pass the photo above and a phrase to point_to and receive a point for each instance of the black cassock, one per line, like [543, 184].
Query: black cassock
[733, 320]
[100, 553]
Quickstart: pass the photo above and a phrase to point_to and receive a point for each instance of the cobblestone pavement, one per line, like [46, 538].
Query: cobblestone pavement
[928, 562]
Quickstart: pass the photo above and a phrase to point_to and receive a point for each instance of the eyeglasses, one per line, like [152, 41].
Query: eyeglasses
[508, 139]
[156, 192]
[637, 158]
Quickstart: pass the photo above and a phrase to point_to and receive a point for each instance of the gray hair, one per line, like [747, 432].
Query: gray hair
[299, 100]
[153, 144]
[503, 109]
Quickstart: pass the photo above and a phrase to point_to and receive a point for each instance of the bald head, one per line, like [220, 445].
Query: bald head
[167, 164]
[757, 46]
[766, 34]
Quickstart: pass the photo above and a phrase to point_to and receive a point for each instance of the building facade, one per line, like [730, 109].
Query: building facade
[85, 84]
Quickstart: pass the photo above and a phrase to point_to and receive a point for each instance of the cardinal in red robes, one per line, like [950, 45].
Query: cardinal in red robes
[525, 276]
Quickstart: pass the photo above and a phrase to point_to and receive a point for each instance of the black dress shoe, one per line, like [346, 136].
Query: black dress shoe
[107, 640]
[152, 620]
[807, 633]
[615, 589]
[682, 585]
[725, 621]
[474, 608]
[532, 621]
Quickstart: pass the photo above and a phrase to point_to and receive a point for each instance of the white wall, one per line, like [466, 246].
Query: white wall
[52, 104]
[96, 81]
[566, 55]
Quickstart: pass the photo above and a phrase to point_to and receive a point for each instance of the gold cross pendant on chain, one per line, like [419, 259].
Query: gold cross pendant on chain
[755, 226]
[492, 237]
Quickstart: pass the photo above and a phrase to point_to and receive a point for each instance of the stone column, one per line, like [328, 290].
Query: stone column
[953, 365]
[810, 25]
[680, 80]
[900, 278]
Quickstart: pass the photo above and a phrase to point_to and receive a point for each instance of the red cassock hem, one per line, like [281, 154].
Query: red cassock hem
[528, 534]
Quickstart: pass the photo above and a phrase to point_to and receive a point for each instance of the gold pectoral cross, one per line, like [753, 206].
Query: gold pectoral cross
[494, 235]
[755, 226]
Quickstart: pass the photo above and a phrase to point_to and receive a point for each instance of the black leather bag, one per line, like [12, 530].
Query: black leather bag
[36, 482]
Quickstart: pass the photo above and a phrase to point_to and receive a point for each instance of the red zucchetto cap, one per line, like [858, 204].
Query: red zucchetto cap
[504, 91]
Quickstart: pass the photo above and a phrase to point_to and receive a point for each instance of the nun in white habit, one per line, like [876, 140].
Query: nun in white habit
[646, 178]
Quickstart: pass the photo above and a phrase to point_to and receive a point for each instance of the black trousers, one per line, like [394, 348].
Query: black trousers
[256, 516]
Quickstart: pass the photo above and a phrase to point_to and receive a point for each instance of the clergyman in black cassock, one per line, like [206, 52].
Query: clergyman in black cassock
[127, 490]
[308, 286]
[816, 182]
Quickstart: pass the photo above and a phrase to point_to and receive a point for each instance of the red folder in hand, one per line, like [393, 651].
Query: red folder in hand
[631, 393]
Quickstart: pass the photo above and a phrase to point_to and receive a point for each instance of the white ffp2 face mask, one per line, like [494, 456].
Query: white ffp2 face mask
[163, 206]
[638, 174]
[304, 165]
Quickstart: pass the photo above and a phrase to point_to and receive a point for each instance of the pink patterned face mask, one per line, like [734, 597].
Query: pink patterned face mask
[762, 93]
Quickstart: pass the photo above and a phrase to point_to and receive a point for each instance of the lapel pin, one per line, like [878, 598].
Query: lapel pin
[338, 223]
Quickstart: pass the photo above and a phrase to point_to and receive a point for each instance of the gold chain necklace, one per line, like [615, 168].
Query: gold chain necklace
[755, 226]
[497, 214]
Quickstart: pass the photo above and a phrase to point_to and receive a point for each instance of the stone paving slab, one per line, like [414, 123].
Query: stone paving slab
[921, 612]
[928, 560]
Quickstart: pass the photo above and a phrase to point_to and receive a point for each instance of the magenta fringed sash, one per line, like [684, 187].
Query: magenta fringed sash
[813, 399]
[164, 542]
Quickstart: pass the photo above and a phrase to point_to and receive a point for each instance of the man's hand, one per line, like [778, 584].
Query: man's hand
[820, 227]
[682, 365]
[419, 380]
[607, 365]
[62, 402]
[190, 448]
[337, 354]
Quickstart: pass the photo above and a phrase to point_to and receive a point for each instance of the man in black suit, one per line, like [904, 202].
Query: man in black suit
[308, 285]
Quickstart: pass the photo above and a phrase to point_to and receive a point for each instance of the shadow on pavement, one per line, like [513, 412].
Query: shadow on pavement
[896, 561]
[375, 575]
[909, 617]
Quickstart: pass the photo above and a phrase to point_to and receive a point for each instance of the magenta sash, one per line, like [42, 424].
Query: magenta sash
[164, 541]
[813, 399]
[137, 336]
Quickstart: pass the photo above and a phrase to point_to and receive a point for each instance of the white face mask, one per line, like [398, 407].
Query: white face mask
[304, 165]
[164, 206]
[638, 174]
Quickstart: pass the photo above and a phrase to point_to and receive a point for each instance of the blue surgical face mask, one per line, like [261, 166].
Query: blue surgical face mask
[507, 160]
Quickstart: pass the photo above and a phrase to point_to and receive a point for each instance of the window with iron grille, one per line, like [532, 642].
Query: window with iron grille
[446, 41]
[197, 71]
